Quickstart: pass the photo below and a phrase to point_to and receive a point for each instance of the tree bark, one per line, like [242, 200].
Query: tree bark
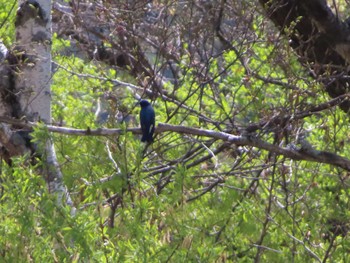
[25, 90]
[33, 36]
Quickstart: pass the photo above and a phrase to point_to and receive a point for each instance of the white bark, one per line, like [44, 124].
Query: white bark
[33, 36]
[33, 81]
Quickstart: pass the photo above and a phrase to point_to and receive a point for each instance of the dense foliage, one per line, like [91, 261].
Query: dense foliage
[184, 198]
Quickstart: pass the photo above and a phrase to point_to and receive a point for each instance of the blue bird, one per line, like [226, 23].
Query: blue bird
[147, 120]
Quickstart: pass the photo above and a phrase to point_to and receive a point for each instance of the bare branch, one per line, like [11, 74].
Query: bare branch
[278, 120]
[307, 154]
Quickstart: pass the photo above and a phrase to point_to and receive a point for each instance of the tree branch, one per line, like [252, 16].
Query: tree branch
[302, 153]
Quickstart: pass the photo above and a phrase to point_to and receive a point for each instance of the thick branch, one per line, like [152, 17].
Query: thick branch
[320, 39]
[307, 154]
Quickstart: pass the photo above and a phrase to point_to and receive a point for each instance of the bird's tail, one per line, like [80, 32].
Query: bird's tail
[147, 138]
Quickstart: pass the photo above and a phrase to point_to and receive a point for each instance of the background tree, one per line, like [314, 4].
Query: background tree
[249, 160]
[320, 38]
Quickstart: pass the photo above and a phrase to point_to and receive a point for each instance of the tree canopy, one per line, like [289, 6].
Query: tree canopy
[250, 161]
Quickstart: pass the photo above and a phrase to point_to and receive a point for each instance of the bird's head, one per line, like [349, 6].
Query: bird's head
[144, 103]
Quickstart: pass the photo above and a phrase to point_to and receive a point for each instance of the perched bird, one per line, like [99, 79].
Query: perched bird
[147, 120]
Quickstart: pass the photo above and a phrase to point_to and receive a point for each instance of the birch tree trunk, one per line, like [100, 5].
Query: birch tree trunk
[33, 38]
[32, 81]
